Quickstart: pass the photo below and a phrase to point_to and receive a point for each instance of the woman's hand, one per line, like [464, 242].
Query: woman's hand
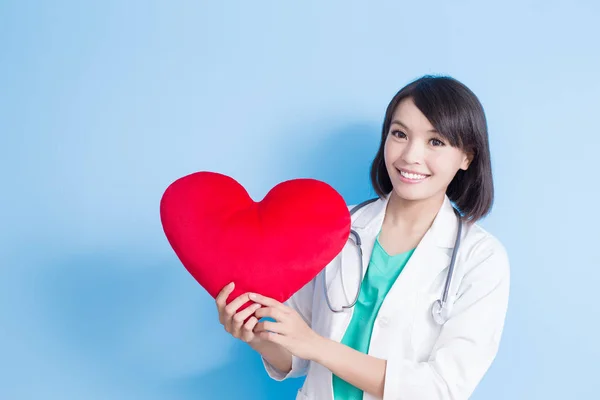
[290, 331]
[232, 320]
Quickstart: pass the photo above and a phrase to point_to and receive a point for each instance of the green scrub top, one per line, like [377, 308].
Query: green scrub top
[382, 272]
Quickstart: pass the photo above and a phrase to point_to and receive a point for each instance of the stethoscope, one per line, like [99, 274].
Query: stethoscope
[440, 310]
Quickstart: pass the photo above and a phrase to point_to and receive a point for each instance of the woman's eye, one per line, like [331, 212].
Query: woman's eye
[437, 142]
[399, 134]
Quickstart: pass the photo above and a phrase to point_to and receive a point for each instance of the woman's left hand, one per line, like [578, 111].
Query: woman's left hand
[289, 329]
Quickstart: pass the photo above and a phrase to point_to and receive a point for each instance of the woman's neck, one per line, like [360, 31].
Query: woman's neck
[411, 215]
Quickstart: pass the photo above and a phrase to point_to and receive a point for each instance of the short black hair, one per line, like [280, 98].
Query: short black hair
[457, 114]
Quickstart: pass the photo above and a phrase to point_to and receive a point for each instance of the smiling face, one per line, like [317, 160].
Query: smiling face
[420, 161]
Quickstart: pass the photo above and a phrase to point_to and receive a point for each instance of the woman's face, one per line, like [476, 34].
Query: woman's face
[420, 162]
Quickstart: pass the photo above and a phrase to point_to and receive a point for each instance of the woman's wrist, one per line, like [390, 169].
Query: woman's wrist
[320, 346]
[259, 344]
[273, 353]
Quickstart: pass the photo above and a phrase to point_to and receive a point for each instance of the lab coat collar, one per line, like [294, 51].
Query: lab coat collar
[442, 231]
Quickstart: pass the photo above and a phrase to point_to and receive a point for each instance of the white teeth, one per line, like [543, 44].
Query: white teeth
[412, 176]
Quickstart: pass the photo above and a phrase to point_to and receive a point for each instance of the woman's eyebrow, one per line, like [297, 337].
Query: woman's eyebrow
[398, 122]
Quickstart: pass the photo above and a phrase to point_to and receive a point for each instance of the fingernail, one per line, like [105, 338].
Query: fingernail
[252, 296]
[231, 284]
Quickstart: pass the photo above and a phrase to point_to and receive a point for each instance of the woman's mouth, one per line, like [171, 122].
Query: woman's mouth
[411, 177]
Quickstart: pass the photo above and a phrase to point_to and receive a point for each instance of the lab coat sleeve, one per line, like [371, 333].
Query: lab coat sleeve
[468, 341]
[302, 302]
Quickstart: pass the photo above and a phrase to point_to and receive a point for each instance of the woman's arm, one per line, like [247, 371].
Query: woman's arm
[291, 332]
[359, 369]
[274, 354]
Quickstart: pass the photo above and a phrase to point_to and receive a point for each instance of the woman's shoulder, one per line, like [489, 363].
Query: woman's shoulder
[357, 209]
[482, 250]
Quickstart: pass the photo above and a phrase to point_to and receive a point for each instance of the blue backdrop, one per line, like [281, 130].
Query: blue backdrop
[103, 104]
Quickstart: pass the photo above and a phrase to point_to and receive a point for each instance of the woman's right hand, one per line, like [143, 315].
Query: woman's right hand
[232, 320]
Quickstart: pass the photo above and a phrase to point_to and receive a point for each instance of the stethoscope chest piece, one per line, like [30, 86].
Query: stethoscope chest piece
[438, 312]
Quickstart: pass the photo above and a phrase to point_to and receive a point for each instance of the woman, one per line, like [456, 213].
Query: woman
[434, 150]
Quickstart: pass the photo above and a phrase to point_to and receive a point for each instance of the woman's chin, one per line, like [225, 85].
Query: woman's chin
[411, 192]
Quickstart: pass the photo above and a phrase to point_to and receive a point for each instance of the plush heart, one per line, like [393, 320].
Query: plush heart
[272, 247]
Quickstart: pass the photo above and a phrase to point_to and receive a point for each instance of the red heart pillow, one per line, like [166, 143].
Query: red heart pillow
[272, 247]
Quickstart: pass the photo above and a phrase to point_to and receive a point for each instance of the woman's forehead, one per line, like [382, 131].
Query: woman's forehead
[408, 116]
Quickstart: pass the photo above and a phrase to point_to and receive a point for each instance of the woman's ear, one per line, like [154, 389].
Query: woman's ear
[467, 159]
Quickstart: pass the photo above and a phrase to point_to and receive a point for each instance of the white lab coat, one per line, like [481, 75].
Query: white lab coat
[424, 360]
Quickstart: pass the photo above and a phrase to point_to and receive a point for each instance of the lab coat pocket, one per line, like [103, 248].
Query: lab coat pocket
[425, 330]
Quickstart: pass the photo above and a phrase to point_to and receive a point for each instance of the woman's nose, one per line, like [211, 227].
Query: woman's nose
[413, 153]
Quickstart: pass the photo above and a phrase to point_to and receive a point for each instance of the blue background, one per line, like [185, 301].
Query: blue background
[103, 104]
